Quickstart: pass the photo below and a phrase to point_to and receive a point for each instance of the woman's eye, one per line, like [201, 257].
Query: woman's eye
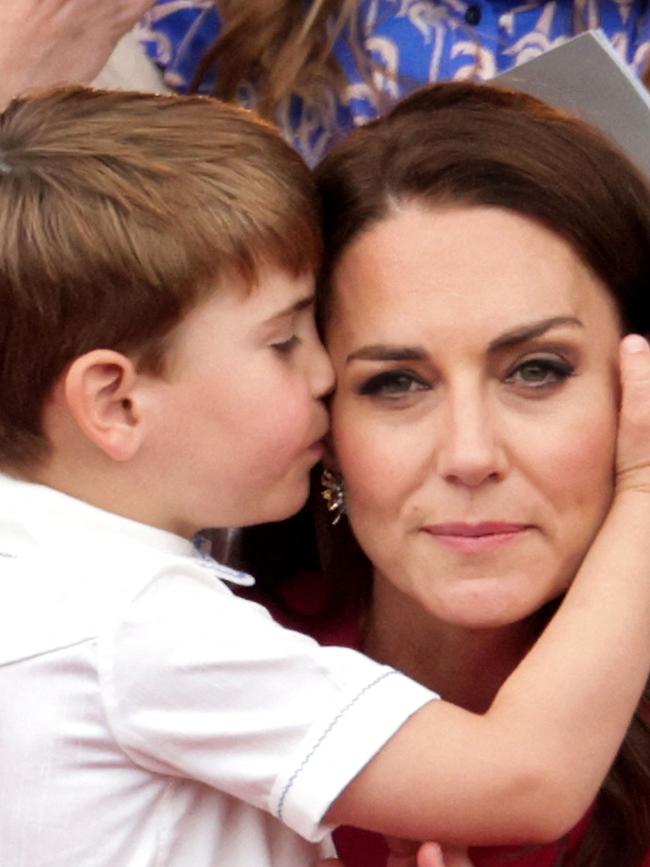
[285, 346]
[392, 384]
[540, 372]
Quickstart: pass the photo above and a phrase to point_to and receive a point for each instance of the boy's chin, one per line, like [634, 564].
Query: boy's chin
[282, 508]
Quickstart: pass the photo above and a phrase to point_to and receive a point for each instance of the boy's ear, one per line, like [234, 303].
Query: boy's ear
[100, 393]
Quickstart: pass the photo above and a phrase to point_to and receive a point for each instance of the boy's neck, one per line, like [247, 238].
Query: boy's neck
[112, 487]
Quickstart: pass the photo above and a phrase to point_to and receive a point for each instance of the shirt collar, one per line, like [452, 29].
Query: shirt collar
[54, 518]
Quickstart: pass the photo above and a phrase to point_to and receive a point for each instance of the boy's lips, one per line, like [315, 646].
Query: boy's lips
[317, 448]
[318, 445]
[480, 537]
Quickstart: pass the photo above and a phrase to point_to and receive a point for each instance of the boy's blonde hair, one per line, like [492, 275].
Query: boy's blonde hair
[119, 212]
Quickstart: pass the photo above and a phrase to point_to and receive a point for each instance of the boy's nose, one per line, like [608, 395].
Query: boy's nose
[322, 373]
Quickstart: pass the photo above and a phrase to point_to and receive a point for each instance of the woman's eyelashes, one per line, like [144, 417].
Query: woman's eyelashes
[540, 372]
[533, 375]
[393, 384]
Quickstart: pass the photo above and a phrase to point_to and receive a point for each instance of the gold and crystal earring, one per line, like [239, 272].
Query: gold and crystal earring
[333, 492]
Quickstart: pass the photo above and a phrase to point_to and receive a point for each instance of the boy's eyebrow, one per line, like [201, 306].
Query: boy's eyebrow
[520, 334]
[301, 304]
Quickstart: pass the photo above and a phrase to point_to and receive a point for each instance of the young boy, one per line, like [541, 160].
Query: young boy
[161, 373]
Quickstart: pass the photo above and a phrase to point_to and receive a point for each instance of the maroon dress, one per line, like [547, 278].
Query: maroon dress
[359, 848]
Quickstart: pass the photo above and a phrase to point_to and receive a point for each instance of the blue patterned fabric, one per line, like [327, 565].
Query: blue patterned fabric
[411, 42]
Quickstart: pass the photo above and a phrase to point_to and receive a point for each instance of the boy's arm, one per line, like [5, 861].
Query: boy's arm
[417, 855]
[48, 42]
[529, 768]
[406, 853]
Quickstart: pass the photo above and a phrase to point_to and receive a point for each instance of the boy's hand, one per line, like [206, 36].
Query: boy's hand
[47, 42]
[404, 853]
[633, 446]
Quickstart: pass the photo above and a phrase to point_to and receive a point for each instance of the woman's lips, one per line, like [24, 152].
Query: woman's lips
[476, 538]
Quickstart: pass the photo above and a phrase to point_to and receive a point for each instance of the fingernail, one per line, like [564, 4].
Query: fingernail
[635, 343]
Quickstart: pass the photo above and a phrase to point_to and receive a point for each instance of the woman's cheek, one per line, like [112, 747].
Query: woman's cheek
[362, 460]
[579, 463]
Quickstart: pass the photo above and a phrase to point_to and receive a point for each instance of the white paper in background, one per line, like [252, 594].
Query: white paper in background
[586, 77]
[128, 68]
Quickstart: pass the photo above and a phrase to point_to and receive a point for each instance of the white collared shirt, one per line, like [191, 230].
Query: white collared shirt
[150, 717]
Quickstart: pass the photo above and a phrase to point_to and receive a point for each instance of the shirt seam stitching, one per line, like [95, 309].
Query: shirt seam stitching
[292, 779]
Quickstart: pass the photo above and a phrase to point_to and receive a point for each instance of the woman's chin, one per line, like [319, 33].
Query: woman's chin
[486, 606]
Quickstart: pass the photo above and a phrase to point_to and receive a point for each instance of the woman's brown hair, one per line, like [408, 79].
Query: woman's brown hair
[463, 144]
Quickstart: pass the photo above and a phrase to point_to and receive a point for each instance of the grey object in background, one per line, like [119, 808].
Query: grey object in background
[587, 77]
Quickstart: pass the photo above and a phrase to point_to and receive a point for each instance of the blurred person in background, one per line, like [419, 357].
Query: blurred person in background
[48, 42]
[321, 68]
[317, 68]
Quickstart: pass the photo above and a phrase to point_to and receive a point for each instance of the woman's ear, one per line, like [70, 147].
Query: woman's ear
[329, 460]
[100, 393]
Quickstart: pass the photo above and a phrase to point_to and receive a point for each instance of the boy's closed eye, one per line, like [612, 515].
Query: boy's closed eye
[284, 347]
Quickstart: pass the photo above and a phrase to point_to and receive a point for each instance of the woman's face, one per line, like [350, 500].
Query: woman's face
[475, 416]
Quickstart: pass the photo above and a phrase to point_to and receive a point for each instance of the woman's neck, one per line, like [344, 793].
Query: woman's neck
[466, 666]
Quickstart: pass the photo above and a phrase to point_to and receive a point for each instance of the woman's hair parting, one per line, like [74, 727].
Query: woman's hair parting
[119, 212]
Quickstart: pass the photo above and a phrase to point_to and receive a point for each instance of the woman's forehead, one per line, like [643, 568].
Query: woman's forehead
[479, 270]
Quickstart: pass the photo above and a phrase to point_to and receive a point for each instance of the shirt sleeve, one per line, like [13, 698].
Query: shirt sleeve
[204, 685]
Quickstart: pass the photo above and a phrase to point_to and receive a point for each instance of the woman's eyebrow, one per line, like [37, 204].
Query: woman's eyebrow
[388, 352]
[522, 333]
[385, 352]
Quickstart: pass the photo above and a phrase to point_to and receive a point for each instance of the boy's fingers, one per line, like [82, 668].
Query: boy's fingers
[633, 448]
[430, 855]
[452, 858]
[405, 853]
[635, 371]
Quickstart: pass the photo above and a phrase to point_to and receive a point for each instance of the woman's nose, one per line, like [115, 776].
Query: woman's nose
[471, 451]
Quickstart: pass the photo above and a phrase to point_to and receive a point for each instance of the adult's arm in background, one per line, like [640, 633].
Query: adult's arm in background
[48, 42]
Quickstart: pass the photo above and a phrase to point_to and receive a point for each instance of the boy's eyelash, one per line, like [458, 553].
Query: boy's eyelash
[286, 345]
